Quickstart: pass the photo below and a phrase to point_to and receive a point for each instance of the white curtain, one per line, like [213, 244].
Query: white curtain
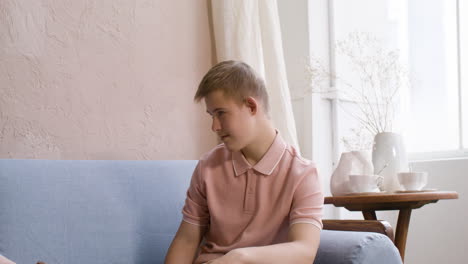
[249, 30]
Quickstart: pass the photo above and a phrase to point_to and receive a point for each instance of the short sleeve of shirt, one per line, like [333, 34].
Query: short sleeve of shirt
[195, 210]
[307, 204]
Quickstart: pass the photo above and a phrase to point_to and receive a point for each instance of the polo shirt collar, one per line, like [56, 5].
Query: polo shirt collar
[268, 162]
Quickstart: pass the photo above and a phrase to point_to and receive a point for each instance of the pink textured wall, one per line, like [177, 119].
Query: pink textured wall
[103, 79]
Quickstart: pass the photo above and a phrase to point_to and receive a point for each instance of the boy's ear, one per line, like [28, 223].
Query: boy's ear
[252, 104]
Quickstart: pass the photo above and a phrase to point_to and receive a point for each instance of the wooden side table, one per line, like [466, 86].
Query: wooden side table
[404, 202]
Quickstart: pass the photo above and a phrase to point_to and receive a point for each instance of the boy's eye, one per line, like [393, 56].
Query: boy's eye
[220, 113]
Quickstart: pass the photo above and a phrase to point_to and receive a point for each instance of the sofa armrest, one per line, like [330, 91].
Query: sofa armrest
[356, 247]
[377, 226]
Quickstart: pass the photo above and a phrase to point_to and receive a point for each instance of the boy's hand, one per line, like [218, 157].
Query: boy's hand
[236, 256]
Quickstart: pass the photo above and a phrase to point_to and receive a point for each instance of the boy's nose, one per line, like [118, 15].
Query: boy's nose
[215, 126]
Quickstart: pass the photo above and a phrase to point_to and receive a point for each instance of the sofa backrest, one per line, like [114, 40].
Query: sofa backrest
[95, 212]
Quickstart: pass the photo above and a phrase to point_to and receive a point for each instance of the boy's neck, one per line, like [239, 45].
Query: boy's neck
[254, 152]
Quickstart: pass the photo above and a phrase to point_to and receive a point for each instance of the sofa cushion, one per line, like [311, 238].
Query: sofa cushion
[90, 211]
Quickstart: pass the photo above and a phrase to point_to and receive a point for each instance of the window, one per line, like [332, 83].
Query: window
[430, 36]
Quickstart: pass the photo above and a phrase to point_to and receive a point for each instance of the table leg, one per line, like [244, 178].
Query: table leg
[369, 215]
[402, 231]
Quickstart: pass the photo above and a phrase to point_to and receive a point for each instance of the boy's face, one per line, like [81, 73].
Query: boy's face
[232, 121]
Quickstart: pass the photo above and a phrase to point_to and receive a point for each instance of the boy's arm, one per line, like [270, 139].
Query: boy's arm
[304, 241]
[185, 244]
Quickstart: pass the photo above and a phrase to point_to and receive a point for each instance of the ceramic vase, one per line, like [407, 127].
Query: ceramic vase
[353, 162]
[389, 157]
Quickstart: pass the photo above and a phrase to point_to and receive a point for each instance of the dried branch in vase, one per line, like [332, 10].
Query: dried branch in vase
[378, 76]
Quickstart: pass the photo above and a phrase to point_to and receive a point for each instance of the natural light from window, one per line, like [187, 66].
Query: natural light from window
[425, 34]
[464, 67]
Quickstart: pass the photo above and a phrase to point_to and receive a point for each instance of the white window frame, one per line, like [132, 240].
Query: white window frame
[334, 98]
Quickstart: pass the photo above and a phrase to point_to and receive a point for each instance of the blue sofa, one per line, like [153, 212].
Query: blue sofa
[111, 212]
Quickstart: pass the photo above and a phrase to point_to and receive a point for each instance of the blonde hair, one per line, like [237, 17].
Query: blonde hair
[236, 79]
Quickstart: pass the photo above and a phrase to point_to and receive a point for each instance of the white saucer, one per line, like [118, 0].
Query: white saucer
[365, 193]
[416, 191]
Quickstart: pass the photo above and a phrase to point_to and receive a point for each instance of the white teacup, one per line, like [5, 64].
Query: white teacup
[412, 181]
[365, 183]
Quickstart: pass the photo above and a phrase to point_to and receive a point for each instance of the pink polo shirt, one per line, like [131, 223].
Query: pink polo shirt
[246, 205]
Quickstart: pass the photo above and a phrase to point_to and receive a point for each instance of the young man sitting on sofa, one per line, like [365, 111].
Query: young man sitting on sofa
[253, 198]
